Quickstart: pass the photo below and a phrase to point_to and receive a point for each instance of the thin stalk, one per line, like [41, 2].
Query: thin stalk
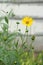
[26, 33]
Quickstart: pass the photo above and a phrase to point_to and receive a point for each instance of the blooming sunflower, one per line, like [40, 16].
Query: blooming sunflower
[27, 21]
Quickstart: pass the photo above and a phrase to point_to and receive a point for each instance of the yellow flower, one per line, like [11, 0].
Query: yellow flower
[27, 21]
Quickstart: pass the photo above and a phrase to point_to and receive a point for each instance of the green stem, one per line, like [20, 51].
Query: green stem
[31, 44]
[26, 34]
[17, 27]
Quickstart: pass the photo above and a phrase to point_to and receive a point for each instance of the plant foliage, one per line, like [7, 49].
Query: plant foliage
[13, 54]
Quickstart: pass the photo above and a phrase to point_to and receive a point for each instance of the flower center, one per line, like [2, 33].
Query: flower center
[27, 22]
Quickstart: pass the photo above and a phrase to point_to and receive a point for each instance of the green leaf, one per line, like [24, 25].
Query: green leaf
[6, 19]
[16, 44]
[1, 62]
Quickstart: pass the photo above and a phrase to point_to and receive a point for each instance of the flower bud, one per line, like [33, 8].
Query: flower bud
[33, 37]
[17, 23]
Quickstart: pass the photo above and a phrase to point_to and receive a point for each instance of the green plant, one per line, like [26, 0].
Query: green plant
[13, 54]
